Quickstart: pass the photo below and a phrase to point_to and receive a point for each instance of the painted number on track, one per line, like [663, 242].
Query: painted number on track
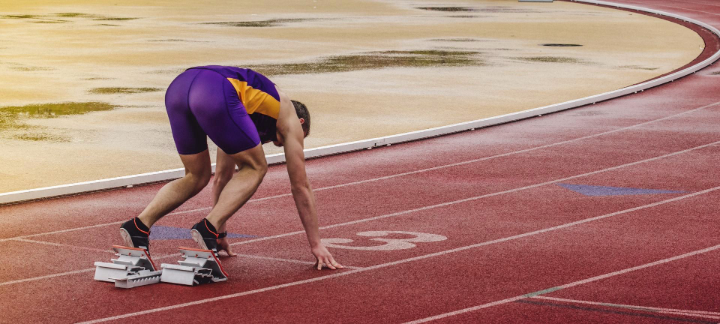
[390, 243]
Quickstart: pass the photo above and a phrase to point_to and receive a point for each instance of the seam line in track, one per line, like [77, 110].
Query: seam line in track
[400, 174]
[447, 204]
[441, 253]
[565, 286]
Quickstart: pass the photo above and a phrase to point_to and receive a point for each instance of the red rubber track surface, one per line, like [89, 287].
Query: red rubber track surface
[519, 245]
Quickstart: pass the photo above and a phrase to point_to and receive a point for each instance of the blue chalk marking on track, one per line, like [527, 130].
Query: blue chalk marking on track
[601, 191]
[176, 233]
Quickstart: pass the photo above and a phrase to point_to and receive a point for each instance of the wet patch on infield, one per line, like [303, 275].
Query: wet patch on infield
[562, 45]
[448, 9]
[63, 17]
[490, 9]
[260, 23]
[637, 67]
[551, 59]
[375, 60]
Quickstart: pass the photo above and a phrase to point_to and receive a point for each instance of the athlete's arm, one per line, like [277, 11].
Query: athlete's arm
[290, 134]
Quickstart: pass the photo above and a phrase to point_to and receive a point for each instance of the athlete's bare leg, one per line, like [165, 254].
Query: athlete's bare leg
[224, 170]
[197, 175]
[243, 184]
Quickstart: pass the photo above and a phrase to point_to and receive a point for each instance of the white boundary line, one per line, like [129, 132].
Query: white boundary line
[441, 253]
[64, 245]
[452, 203]
[62, 190]
[398, 174]
[572, 284]
[684, 312]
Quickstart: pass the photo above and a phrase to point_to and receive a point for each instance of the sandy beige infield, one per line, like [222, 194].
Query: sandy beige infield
[364, 68]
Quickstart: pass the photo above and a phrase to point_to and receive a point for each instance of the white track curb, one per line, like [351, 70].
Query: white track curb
[76, 188]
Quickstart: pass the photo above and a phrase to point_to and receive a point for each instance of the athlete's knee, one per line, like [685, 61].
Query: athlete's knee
[222, 177]
[199, 179]
[261, 168]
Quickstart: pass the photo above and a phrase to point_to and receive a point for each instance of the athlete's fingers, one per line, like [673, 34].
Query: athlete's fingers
[335, 263]
[330, 264]
[229, 252]
[319, 264]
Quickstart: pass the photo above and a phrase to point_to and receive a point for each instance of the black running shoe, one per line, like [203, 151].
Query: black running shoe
[205, 235]
[135, 235]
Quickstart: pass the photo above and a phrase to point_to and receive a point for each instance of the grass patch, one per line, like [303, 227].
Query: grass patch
[20, 17]
[50, 21]
[374, 60]
[41, 137]
[75, 15]
[31, 68]
[115, 18]
[260, 23]
[10, 117]
[551, 59]
[54, 109]
[123, 90]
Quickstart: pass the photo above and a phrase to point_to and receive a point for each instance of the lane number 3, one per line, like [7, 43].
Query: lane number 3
[390, 243]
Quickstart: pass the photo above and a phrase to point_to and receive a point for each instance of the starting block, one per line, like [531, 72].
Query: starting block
[196, 267]
[132, 268]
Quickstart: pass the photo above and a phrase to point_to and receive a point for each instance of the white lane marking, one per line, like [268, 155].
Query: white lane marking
[404, 173]
[250, 256]
[454, 202]
[391, 244]
[64, 245]
[427, 256]
[683, 8]
[685, 312]
[12, 282]
[573, 284]
[61, 231]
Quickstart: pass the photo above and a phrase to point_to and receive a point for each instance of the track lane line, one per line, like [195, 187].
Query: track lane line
[446, 252]
[399, 174]
[684, 312]
[565, 286]
[439, 205]
[64, 245]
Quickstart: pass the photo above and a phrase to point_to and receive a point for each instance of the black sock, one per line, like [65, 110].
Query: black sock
[210, 226]
[141, 226]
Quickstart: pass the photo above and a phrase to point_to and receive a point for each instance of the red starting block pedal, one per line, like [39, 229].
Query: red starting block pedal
[196, 267]
[132, 268]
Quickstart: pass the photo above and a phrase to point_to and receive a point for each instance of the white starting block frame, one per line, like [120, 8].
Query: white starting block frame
[132, 268]
[196, 267]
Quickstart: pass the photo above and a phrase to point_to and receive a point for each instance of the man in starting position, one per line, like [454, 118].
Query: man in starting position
[239, 109]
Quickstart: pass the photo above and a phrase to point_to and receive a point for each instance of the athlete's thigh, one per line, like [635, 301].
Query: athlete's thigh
[197, 164]
[187, 133]
[219, 111]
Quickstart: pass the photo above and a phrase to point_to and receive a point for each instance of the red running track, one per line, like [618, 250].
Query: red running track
[521, 223]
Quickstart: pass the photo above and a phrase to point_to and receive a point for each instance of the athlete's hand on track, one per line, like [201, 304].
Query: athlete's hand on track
[224, 245]
[324, 258]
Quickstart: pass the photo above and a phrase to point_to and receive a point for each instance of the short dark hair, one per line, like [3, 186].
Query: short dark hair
[302, 112]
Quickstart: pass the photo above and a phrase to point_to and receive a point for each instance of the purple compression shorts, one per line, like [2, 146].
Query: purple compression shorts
[203, 102]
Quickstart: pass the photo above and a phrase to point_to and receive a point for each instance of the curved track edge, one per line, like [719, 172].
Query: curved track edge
[146, 178]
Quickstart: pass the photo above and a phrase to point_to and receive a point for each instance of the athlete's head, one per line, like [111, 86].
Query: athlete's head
[304, 116]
